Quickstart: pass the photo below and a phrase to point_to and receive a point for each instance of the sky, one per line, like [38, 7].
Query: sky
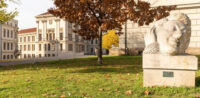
[28, 9]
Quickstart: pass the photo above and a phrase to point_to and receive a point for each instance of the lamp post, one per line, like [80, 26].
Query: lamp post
[126, 52]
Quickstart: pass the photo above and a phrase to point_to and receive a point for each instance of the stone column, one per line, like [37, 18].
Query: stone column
[37, 32]
[44, 32]
[57, 33]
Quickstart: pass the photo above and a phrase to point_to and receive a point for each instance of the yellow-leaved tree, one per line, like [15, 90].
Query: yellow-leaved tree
[111, 38]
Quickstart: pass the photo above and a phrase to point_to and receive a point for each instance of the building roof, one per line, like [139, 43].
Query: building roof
[30, 30]
[46, 13]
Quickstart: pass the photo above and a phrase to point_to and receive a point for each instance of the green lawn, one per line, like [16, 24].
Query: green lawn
[120, 76]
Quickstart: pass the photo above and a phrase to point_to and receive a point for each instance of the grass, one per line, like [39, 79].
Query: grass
[119, 76]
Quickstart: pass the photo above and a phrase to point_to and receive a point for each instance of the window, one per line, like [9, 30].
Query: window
[40, 37]
[49, 47]
[8, 33]
[29, 55]
[40, 47]
[25, 56]
[33, 38]
[45, 47]
[33, 47]
[20, 47]
[40, 55]
[53, 36]
[61, 47]
[29, 38]
[33, 55]
[24, 39]
[53, 55]
[70, 47]
[91, 41]
[70, 37]
[76, 38]
[96, 41]
[49, 55]
[29, 47]
[4, 46]
[24, 47]
[83, 48]
[20, 39]
[47, 36]
[8, 46]
[8, 56]
[11, 56]
[50, 36]
[92, 50]
[11, 34]
[50, 22]
[11, 46]
[61, 36]
[4, 32]
[53, 47]
[4, 56]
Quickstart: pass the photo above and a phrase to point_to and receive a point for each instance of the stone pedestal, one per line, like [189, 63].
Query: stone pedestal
[163, 70]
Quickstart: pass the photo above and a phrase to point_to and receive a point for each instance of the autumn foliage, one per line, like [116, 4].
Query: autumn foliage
[110, 39]
[4, 14]
[97, 16]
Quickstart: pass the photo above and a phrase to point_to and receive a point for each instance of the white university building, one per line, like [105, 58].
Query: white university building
[135, 34]
[52, 37]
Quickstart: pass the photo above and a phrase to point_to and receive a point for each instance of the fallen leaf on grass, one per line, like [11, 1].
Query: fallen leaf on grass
[84, 94]
[197, 96]
[114, 81]
[129, 92]
[101, 89]
[154, 86]
[44, 94]
[62, 96]
[5, 81]
[147, 92]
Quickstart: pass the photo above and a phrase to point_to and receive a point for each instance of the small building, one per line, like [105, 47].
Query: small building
[8, 40]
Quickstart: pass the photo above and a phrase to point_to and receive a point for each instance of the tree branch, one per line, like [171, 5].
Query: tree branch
[93, 13]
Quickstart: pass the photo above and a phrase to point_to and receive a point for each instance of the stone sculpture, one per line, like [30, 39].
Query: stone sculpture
[164, 60]
[169, 36]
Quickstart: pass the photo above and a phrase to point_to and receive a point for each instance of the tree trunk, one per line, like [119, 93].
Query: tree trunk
[100, 47]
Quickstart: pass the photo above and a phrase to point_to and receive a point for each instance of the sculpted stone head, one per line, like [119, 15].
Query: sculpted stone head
[169, 36]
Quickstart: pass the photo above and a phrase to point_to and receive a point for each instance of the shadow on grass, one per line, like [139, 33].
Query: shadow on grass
[82, 63]
[119, 69]
[197, 81]
[2, 89]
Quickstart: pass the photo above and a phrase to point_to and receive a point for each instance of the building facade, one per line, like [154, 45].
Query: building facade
[135, 33]
[91, 47]
[53, 37]
[27, 43]
[8, 40]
